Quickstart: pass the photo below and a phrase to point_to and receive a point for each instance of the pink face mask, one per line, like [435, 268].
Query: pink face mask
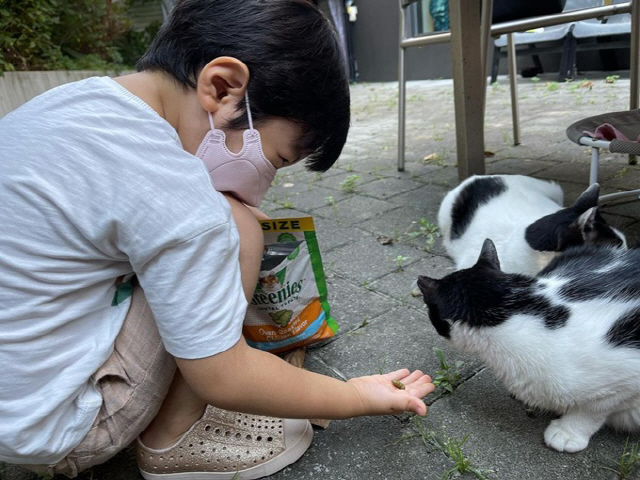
[246, 174]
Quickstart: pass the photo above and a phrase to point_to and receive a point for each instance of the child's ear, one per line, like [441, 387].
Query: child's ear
[221, 81]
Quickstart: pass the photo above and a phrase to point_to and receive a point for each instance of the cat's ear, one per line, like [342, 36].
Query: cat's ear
[428, 286]
[587, 220]
[489, 254]
[588, 199]
[581, 230]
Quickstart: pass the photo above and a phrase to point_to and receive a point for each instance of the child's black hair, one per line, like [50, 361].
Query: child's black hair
[296, 67]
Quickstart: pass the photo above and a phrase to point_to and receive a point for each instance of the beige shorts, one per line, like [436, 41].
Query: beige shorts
[133, 382]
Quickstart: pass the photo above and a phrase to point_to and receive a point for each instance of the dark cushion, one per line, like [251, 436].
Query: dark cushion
[507, 10]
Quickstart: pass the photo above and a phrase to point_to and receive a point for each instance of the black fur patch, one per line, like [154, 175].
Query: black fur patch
[442, 326]
[625, 332]
[596, 272]
[471, 197]
[486, 297]
[543, 234]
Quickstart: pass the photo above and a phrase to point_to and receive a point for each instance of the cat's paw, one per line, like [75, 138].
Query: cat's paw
[563, 439]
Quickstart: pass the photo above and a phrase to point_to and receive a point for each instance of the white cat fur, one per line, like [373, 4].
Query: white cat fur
[526, 200]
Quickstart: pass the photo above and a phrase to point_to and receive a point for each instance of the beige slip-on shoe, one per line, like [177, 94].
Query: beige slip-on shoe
[226, 445]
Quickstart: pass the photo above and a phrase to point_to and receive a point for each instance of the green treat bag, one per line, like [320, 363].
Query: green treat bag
[289, 308]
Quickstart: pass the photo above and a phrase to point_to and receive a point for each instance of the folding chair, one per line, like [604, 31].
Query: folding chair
[628, 123]
[407, 40]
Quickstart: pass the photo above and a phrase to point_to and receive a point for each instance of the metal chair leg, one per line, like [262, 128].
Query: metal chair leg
[401, 92]
[495, 64]
[634, 63]
[593, 172]
[402, 87]
[513, 84]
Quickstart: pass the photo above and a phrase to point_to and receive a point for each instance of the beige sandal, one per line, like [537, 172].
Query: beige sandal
[226, 445]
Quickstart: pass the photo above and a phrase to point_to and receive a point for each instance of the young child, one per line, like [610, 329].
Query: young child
[104, 179]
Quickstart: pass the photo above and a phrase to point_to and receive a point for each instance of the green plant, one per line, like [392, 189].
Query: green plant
[400, 259]
[628, 461]
[26, 31]
[69, 34]
[331, 201]
[132, 44]
[453, 449]
[369, 285]
[425, 229]
[622, 172]
[449, 375]
[535, 79]
[383, 367]
[552, 86]
[611, 78]
[349, 184]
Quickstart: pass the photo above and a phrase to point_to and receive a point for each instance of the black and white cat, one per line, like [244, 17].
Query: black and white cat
[524, 218]
[567, 340]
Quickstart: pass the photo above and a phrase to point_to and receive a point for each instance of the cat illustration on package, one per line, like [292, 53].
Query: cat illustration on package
[525, 219]
[566, 340]
[289, 308]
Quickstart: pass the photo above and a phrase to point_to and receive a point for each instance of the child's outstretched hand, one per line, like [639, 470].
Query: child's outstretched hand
[383, 395]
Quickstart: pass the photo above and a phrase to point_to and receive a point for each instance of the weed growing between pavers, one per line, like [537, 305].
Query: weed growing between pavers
[369, 285]
[628, 461]
[331, 201]
[400, 259]
[449, 446]
[449, 375]
[349, 184]
[383, 368]
[461, 464]
[423, 229]
[611, 78]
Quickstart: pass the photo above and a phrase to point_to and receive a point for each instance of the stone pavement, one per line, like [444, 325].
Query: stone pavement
[368, 216]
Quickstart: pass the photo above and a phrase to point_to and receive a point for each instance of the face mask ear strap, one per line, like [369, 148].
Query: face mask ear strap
[246, 98]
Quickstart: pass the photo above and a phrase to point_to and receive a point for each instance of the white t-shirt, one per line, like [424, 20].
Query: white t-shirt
[94, 184]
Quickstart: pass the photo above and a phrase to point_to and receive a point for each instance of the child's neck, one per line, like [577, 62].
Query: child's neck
[178, 105]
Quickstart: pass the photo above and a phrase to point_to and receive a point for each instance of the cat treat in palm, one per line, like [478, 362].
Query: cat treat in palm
[289, 308]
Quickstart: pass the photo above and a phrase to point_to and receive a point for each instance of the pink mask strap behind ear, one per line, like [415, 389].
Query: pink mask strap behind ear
[246, 98]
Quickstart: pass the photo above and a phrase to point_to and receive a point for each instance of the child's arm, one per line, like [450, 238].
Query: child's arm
[251, 381]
